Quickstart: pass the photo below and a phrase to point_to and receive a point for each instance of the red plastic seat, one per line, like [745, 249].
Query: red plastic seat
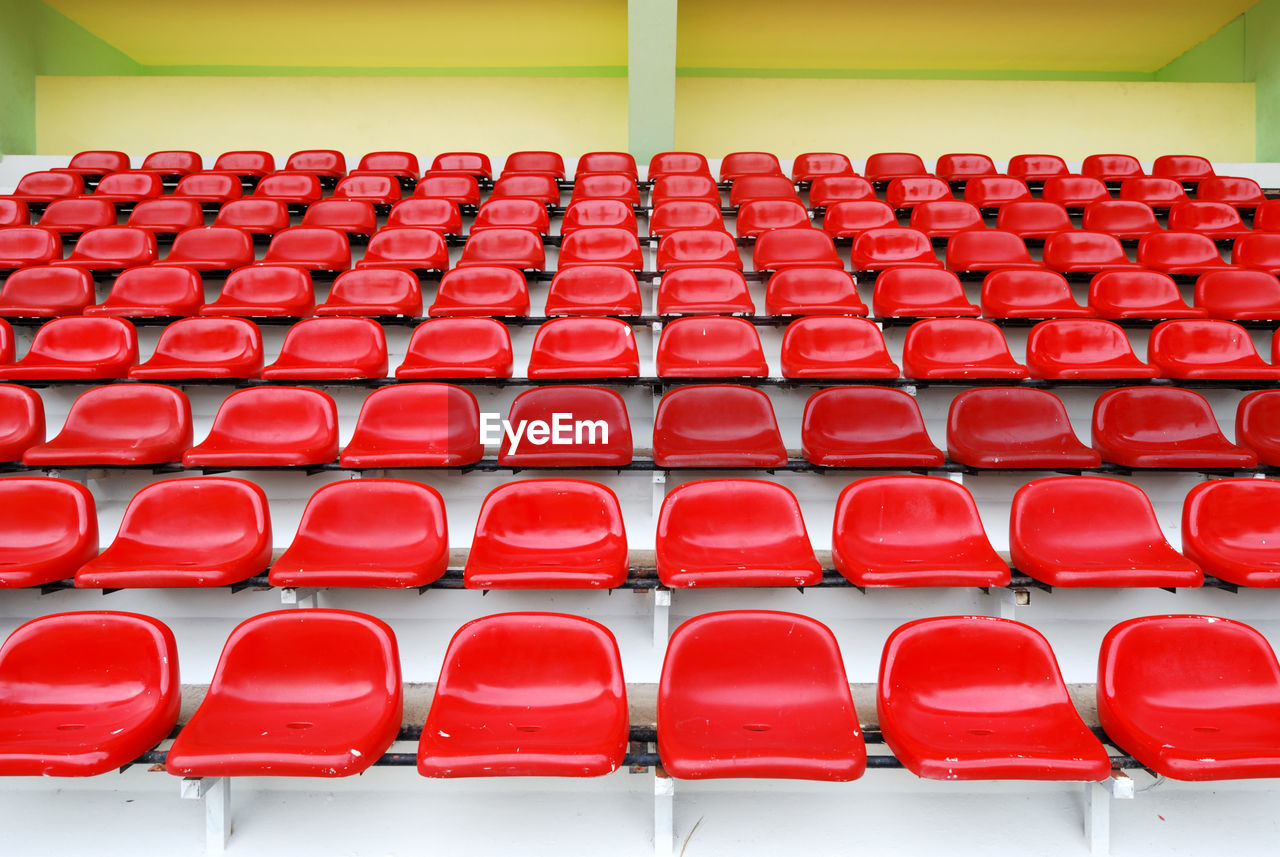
[698, 248]
[211, 248]
[618, 163]
[1009, 427]
[1258, 425]
[409, 247]
[21, 421]
[458, 348]
[586, 427]
[547, 163]
[684, 188]
[322, 163]
[296, 693]
[247, 163]
[1036, 168]
[920, 292]
[459, 189]
[126, 189]
[584, 348]
[482, 291]
[401, 166]
[1125, 219]
[36, 189]
[1236, 192]
[940, 348]
[757, 694]
[849, 219]
[374, 292]
[593, 290]
[811, 166]
[912, 531]
[6, 342]
[95, 164]
[711, 347]
[1259, 252]
[736, 165]
[681, 215]
[548, 533]
[1157, 192]
[600, 246]
[13, 212]
[254, 216]
[540, 188]
[1229, 529]
[1077, 348]
[1075, 531]
[77, 347]
[331, 349]
[50, 529]
[962, 167]
[384, 533]
[716, 426]
[1162, 427]
[98, 711]
[494, 214]
[812, 291]
[606, 186]
[119, 426]
[471, 163]
[988, 250]
[884, 166]
[704, 291]
[826, 191]
[677, 163]
[320, 251]
[513, 248]
[1034, 219]
[199, 532]
[297, 190]
[205, 348]
[1207, 348]
[980, 698]
[527, 694]
[1182, 168]
[941, 218]
[596, 214]
[835, 347]
[379, 191]
[69, 217]
[1237, 295]
[214, 189]
[995, 191]
[1191, 697]
[905, 193]
[1138, 294]
[1029, 294]
[443, 216]
[46, 292]
[1112, 168]
[1217, 220]
[1178, 253]
[352, 216]
[112, 248]
[866, 427]
[762, 215]
[415, 425]
[734, 532]
[265, 291]
[753, 188]
[166, 216]
[26, 246]
[270, 427]
[892, 247]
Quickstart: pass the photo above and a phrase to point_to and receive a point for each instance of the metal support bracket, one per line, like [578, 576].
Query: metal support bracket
[664, 832]
[661, 617]
[300, 597]
[1008, 600]
[1097, 809]
[216, 794]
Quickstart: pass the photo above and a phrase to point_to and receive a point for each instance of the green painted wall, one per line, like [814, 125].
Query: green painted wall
[1262, 65]
[651, 78]
[17, 77]
[1218, 59]
[65, 47]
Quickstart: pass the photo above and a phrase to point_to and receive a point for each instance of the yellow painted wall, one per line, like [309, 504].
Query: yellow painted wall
[932, 117]
[424, 115]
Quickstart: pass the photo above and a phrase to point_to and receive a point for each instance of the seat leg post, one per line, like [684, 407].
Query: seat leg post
[664, 791]
[300, 597]
[1009, 600]
[215, 793]
[661, 617]
[1097, 809]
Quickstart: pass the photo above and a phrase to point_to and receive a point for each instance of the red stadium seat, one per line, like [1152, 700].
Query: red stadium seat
[401, 166]
[598, 213]
[331, 349]
[264, 291]
[698, 248]
[456, 188]
[1267, 216]
[812, 291]
[458, 348]
[213, 189]
[205, 348]
[95, 164]
[70, 217]
[716, 426]
[606, 186]
[1217, 220]
[987, 250]
[920, 292]
[6, 342]
[704, 291]
[584, 348]
[166, 216]
[415, 425]
[1238, 295]
[753, 693]
[296, 693]
[1112, 168]
[546, 163]
[912, 531]
[480, 291]
[119, 426]
[469, 163]
[13, 212]
[248, 164]
[677, 163]
[1086, 253]
[352, 216]
[1259, 252]
[1159, 193]
[1191, 697]
[683, 214]
[77, 347]
[384, 533]
[1078, 348]
[762, 215]
[410, 247]
[441, 215]
[21, 424]
[548, 534]
[686, 188]
[866, 427]
[320, 251]
[495, 214]
[1036, 219]
[1138, 294]
[98, 711]
[593, 290]
[712, 347]
[1162, 427]
[1021, 725]
[987, 192]
[1126, 220]
[155, 549]
[835, 347]
[735, 165]
[1036, 168]
[1011, 427]
[942, 348]
[811, 166]
[327, 164]
[39, 188]
[1075, 192]
[254, 216]
[1179, 253]
[112, 248]
[961, 168]
[378, 191]
[828, 190]
[892, 247]
[619, 163]
[912, 191]
[527, 694]
[46, 292]
[1258, 425]
[587, 427]
[297, 190]
[883, 166]
[514, 248]
[780, 249]
[1236, 192]
[1182, 168]
[374, 292]
[847, 219]
[128, 188]
[752, 188]
[270, 427]
[26, 246]
[1207, 348]
[600, 246]
[1229, 530]
[50, 529]
[1029, 294]
[941, 218]
[211, 248]
[540, 188]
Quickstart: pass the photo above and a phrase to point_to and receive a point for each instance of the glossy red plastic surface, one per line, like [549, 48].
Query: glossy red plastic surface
[1162, 427]
[1029, 294]
[912, 531]
[310, 248]
[458, 348]
[481, 291]
[415, 425]
[246, 163]
[49, 530]
[46, 186]
[1086, 253]
[6, 342]
[211, 188]
[376, 190]
[835, 347]
[620, 163]
[1112, 168]
[211, 248]
[1036, 168]
[829, 190]
[548, 534]
[319, 162]
[1125, 219]
[1083, 348]
[1267, 217]
[264, 291]
[995, 191]
[961, 167]
[688, 188]
[13, 212]
[205, 348]
[598, 214]
[698, 248]
[606, 186]
[296, 693]
[980, 698]
[939, 219]
[458, 189]
[812, 291]
[255, 216]
[804, 247]
[119, 425]
[912, 191]
[535, 162]
[1258, 425]
[199, 531]
[297, 189]
[584, 348]
[734, 532]
[270, 427]
[716, 425]
[540, 188]
[883, 166]
[601, 246]
[112, 248]
[331, 349]
[1217, 220]
[1207, 348]
[753, 693]
[704, 291]
[352, 216]
[988, 250]
[398, 164]
[527, 694]
[589, 427]
[1230, 530]
[1238, 192]
[21, 421]
[166, 216]
[78, 347]
[682, 214]
[473, 163]
[127, 188]
[1182, 168]
[1192, 697]
[593, 290]
[812, 166]
[710, 347]
[866, 427]
[958, 348]
[384, 533]
[72, 216]
[514, 248]
[920, 292]
[442, 215]
[1260, 252]
[1238, 295]
[735, 165]
[494, 214]
[677, 163]
[1138, 294]
[92, 713]
[45, 292]
[893, 247]
[752, 188]
[374, 292]
[761, 215]
[1157, 192]
[413, 247]
[1010, 427]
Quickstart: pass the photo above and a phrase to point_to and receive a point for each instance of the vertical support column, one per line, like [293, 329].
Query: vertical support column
[1097, 809]
[664, 821]
[215, 792]
[661, 597]
[651, 77]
